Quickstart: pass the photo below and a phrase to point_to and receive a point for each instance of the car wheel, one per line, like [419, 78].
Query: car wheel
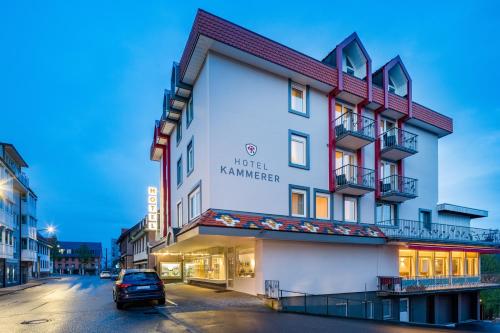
[161, 301]
[119, 305]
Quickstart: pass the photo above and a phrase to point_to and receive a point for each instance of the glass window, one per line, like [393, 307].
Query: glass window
[457, 263]
[425, 263]
[299, 203]
[441, 263]
[179, 171]
[178, 134]
[392, 86]
[194, 203]
[189, 112]
[350, 209]
[190, 157]
[298, 150]
[179, 214]
[322, 206]
[298, 98]
[387, 308]
[349, 66]
[385, 213]
[472, 263]
[425, 217]
[170, 270]
[246, 263]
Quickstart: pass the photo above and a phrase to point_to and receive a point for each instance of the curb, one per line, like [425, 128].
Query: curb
[20, 289]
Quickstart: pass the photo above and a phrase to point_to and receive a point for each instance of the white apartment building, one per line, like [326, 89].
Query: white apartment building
[319, 176]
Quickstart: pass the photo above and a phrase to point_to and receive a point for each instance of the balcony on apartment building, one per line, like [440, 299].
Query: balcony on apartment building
[353, 131]
[397, 144]
[396, 188]
[28, 255]
[354, 180]
[6, 251]
[421, 285]
[409, 230]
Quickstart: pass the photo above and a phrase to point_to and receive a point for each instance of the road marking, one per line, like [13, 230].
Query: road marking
[169, 301]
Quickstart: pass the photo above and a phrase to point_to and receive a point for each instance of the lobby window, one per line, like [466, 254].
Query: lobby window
[441, 263]
[179, 214]
[350, 209]
[179, 171]
[386, 213]
[472, 263]
[298, 99]
[457, 263]
[189, 113]
[322, 206]
[190, 157]
[299, 201]
[178, 134]
[194, 203]
[246, 263]
[298, 150]
[425, 264]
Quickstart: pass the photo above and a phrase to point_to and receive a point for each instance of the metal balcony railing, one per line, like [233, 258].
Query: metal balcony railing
[416, 230]
[398, 138]
[413, 284]
[354, 175]
[351, 122]
[399, 185]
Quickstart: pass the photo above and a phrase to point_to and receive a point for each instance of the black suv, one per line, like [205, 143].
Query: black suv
[134, 285]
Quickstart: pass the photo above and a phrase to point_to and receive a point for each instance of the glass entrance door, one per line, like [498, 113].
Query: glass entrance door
[404, 309]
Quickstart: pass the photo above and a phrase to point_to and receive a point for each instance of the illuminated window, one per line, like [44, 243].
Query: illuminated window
[441, 263]
[298, 150]
[322, 206]
[299, 202]
[472, 263]
[350, 209]
[246, 263]
[298, 99]
[457, 263]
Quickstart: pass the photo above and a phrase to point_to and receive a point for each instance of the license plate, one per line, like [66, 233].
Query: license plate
[142, 287]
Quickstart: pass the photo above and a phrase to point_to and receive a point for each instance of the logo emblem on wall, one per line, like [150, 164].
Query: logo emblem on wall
[251, 149]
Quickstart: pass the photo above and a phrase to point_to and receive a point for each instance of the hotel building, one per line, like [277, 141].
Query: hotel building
[18, 222]
[317, 175]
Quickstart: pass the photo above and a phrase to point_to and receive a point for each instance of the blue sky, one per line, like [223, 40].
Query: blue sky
[81, 85]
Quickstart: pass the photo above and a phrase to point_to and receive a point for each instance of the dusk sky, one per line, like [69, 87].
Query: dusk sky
[81, 85]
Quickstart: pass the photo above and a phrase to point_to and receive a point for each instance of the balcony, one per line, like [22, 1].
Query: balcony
[353, 131]
[28, 255]
[408, 230]
[420, 285]
[397, 144]
[354, 180]
[6, 251]
[398, 188]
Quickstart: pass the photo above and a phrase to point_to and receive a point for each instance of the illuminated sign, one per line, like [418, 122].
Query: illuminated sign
[152, 208]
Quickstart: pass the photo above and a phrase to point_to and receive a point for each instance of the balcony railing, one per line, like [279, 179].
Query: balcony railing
[354, 176]
[398, 188]
[397, 144]
[415, 230]
[415, 284]
[354, 131]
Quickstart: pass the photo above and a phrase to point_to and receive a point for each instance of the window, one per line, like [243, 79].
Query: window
[299, 201]
[387, 308]
[386, 125]
[190, 157]
[298, 150]
[350, 209]
[194, 203]
[298, 99]
[246, 263]
[178, 134]
[179, 214]
[322, 206]
[425, 217]
[349, 66]
[179, 171]
[386, 213]
[189, 112]
[392, 86]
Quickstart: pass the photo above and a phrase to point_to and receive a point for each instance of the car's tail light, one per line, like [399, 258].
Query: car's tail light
[123, 285]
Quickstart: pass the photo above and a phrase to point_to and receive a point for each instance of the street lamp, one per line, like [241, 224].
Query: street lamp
[50, 229]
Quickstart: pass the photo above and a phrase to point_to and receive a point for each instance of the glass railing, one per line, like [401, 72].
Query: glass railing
[422, 283]
[398, 184]
[396, 137]
[416, 230]
[354, 175]
[351, 122]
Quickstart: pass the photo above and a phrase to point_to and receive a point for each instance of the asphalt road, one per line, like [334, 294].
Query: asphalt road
[84, 304]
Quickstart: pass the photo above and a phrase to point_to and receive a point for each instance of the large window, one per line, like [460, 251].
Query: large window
[194, 203]
[350, 209]
[322, 206]
[298, 149]
[179, 171]
[189, 112]
[179, 214]
[190, 157]
[298, 95]
[299, 201]
[246, 263]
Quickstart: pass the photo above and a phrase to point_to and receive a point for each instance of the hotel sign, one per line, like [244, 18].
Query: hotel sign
[152, 208]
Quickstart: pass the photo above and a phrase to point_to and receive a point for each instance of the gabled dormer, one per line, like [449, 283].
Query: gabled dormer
[352, 62]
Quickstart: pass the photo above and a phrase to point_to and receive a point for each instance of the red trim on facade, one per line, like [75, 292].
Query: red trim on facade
[378, 156]
[331, 141]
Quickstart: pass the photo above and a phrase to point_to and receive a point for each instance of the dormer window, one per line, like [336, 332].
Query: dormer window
[349, 66]
[354, 61]
[397, 81]
[392, 86]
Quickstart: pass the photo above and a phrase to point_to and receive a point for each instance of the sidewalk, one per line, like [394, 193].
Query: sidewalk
[30, 284]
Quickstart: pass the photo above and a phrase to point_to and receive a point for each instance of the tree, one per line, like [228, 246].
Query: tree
[84, 256]
[490, 299]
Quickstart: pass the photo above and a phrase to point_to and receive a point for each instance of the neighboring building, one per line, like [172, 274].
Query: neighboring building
[135, 246]
[18, 222]
[71, 259]
[321, 175]
[115, 254]
[44, 265]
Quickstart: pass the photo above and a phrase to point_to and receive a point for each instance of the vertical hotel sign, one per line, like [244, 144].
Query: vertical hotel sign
[152, 208]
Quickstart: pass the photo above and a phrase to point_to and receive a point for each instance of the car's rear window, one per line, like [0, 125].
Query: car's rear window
[140, 276]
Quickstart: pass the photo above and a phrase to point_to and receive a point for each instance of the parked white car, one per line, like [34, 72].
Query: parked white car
[105, 275]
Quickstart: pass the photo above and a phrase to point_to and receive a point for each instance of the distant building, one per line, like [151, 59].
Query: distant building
[135, 246]
[114, 256]
[72, 258]
[44, 264]
[18, 223]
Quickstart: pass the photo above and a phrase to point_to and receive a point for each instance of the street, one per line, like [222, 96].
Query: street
[84, 304]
